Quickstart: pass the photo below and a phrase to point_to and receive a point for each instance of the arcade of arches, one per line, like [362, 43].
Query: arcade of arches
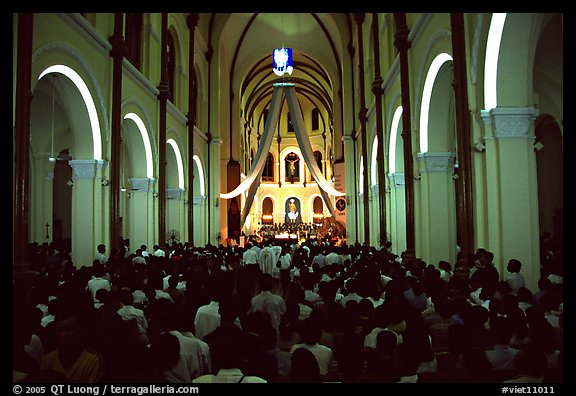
[444, 132]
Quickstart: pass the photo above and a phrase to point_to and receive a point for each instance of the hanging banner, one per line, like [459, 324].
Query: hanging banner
[340, 185]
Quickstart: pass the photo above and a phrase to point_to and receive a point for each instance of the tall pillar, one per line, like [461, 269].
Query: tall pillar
[84, 239]
[142, 225]
[437, 237]
[363, 120]
[117, 53]
[191, 21]
[464, 204]
[397, 212]
[401, 42]
[214, 193]
[162, 101]
[22, 144]
[378, 92]
[351, 216]
[512, 190]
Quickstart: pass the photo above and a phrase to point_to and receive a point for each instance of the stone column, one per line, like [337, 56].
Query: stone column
[84, 239]
[437, 234]
[117, 53]
[512, 190]
[397, 210]
[191, 21]
[402, 44]
[214, 193]
[21, 133]
[141, 213]
[351, 213]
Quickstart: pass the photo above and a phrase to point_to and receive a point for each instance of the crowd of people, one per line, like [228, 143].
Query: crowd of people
[283, 312]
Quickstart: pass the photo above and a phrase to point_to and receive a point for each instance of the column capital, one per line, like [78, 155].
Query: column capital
[85, 169]
[174, 193]
[510, 122]
[397, 179]
[436, 161]
[141, 184]
[192, 20]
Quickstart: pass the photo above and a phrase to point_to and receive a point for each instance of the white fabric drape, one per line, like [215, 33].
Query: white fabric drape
[262, 152]
[257, 168]
[306, 148]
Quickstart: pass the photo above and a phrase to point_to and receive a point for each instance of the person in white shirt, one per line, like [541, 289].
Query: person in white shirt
[266, 259]
[333, 257]
[195, 357]
[319, 258]
[128, 312]
[159, 252]
[208, 316]
[312, 331]
[268, 302]
[98, 281]
[249, 257]
[138, 258]
[351, 288]
[144, 249]
[515, 279]
[100, 256]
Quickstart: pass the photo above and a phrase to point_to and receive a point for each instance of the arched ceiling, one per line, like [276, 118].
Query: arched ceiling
[318, 41]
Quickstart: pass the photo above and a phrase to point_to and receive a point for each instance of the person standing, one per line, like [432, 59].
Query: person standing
[100, 255]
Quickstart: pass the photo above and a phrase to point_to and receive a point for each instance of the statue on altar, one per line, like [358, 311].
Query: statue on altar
[293, 213]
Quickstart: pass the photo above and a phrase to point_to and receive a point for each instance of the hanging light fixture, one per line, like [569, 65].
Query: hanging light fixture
[52, 157]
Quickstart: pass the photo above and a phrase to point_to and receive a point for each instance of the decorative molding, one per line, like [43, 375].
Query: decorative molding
[180, 70]
[419, 26]
[153, 33]
[392, 74]
[510, 122]
[347, 139]
[217, 140]
[86, 30]
[174, 112]
[436, 161]
[83, 169]
[200, 134]
[174, 193]
[78, 57]
[397, 179]
[199, 199]
[139, 79]
[141, 184]
[371, 109]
